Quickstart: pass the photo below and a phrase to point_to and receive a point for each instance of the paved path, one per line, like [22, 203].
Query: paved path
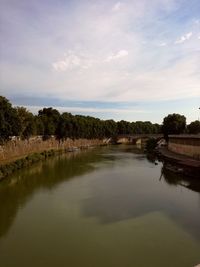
[180, 159]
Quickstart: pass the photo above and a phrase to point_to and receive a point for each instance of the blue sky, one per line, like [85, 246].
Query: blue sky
[132, 60]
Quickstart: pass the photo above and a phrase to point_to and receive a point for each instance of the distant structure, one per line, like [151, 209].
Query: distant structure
[135, 138]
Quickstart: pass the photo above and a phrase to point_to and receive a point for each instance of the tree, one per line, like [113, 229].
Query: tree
[138, 129]
[194, 127]
[19, 121]
[50, 119]
[124, 127]
[9, 120]
[39, 125]
[65, 126]
[157, 128]
[110, 128]
[27, 121]
[173, 124]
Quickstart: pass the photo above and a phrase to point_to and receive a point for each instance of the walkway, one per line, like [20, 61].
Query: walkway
[179, 159]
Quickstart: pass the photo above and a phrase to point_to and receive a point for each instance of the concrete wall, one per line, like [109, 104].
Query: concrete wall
[185, 146]
[19, 148]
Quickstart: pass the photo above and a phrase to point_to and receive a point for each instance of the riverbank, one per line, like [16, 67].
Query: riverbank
[180, 163]
[17, 160]
[16, 148]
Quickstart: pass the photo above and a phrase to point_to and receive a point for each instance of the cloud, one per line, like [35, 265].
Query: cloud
[162, 44]
[91, 53]
[109, 82]
[72, 61]
[117, 6]
[184, 38]
[119, 54]
[88, 110]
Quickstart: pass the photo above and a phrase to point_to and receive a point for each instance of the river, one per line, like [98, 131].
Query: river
[104, 207]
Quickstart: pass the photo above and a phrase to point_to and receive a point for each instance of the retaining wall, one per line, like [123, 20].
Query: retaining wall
[189, 146]
[19, 148]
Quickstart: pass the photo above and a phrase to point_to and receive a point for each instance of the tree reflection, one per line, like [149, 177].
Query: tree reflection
[20, 187]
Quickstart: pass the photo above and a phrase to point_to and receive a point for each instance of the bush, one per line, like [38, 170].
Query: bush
[151, 144]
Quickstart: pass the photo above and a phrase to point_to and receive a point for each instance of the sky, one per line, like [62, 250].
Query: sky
[131, 60]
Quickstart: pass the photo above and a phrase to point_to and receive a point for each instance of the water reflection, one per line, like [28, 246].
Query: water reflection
[135, 190]
[19, 188]
[125, 185]
[172, 178]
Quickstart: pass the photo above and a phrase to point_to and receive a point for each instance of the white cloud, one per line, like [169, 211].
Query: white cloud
[184, 38]
[72, 61]
[88, 110]
[199, 37]
[117, 6]
[60, 65]
[119, 54]
[105, 58]
[162, 44]
[109, 82]
[178, 81]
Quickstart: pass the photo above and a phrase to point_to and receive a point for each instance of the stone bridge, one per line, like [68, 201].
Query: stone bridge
[134, 138]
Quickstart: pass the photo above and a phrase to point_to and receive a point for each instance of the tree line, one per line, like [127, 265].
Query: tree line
[18, 121]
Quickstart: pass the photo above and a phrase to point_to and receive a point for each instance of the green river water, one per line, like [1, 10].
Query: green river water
[104, 207]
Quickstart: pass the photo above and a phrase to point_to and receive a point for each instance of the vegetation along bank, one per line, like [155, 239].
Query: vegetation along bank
[26, 138]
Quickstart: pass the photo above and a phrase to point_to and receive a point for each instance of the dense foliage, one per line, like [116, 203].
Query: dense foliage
[194, 127]
[173, 124]
[151, 144]
[9, 120]
[20, 122]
